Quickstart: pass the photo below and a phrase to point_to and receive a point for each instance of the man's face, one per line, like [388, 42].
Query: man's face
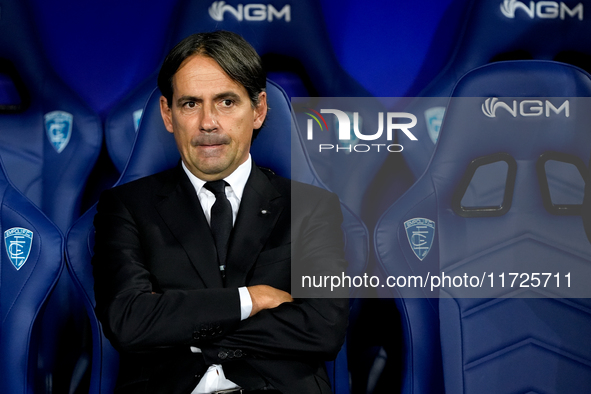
[211, 117]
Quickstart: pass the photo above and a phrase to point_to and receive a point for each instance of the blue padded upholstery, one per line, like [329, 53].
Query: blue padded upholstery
[348, 174]
[155, 150]
[79, 252]
[123, 122]
[24, 290]
[51, 173]
[54, 180]
[297, 54]
[506, 345]
[489, 35]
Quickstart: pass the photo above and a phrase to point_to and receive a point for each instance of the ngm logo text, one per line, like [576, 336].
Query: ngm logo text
[249, 12]
[525, 108]
[402, 121]
[542, 9]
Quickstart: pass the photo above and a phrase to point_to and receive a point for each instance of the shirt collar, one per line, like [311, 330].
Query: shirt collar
[236, 180]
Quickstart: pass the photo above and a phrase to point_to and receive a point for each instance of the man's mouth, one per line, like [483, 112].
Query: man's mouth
[211, 141]
[210, 145]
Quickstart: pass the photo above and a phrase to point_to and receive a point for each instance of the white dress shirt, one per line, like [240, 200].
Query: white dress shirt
[214, 379]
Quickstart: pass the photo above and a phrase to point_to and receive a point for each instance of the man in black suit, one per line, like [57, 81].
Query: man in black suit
[190, 310]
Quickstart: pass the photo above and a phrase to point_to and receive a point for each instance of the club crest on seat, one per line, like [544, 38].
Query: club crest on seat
[420, 233]
[58, 125]
[18, 243]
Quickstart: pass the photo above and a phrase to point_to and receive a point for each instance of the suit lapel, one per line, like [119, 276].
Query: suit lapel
[259, 210]
[181, 211]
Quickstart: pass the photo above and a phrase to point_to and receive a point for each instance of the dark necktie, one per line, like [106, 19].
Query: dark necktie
[221, 221]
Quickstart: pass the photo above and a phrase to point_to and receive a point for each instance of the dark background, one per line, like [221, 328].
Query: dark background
[102, 49]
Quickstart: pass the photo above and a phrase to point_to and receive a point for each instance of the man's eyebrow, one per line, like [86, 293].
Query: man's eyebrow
[184, 99]
[227, 95]
[220, 96]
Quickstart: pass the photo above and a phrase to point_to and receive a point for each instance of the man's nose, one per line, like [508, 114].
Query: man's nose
[209, 119]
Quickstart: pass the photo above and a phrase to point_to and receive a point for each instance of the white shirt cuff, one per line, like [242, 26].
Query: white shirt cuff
[245, 303]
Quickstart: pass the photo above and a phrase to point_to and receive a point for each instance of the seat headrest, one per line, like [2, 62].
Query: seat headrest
[293, 31]
[524, 79]
[536, 29]
[517, 112]
[519, 107]
[497, 30]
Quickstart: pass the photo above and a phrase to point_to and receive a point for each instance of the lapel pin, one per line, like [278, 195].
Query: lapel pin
[264, 212]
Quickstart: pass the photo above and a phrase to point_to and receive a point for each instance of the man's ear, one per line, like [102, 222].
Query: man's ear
[166, 113]
[260, 111]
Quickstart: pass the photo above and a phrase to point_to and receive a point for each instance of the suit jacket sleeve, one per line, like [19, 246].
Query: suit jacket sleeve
[311, 328]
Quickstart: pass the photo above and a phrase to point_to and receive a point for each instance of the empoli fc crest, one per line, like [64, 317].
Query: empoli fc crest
[420, 233]
[434, 118]
[58, 125]
[18, 243]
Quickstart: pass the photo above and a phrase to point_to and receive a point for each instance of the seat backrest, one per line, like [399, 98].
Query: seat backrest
[502, 194]
[496, 30]
[50, 140]
[290, 37]
[155, 150]
[49, 144]
[31, 261]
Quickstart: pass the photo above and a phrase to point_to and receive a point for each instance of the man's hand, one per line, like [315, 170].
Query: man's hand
[266, 297]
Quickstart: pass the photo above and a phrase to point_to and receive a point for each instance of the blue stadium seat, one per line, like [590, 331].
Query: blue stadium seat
[496, 30]
[49, 143]
[79, 251]
[290, 37]
[155, 150]
[30, 265]
[50, 140]
[506, 343]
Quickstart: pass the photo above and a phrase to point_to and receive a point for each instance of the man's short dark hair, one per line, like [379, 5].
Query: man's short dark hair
[232, 52]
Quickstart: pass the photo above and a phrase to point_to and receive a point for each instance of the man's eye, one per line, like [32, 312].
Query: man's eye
[227, 103]
[190, 104]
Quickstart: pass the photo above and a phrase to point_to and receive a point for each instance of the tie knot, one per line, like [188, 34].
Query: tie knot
[216, 187]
